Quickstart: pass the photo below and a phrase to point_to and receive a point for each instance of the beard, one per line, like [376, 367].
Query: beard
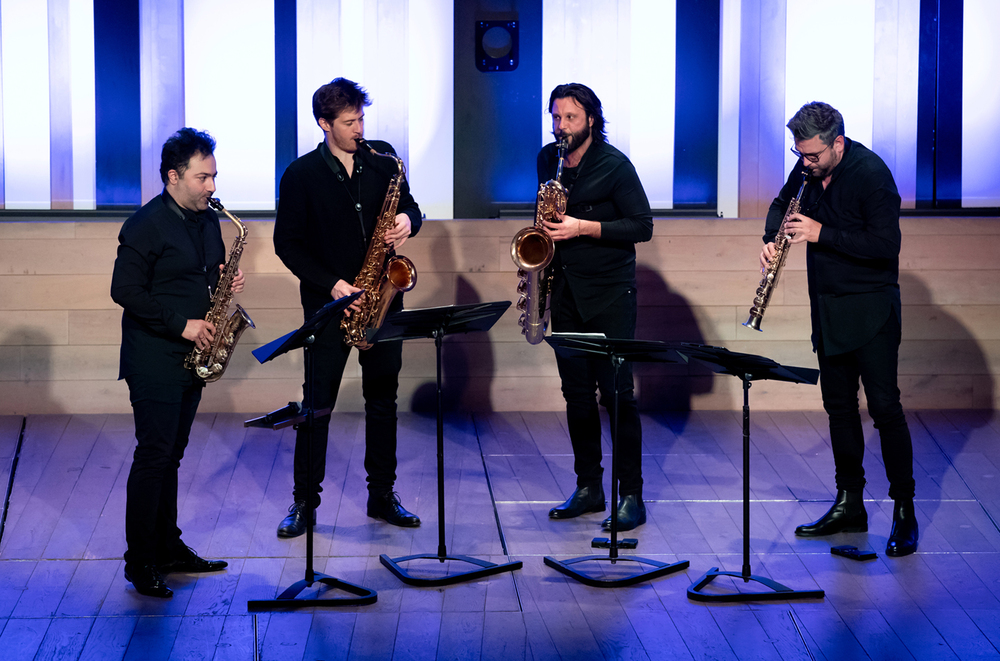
[575, 139]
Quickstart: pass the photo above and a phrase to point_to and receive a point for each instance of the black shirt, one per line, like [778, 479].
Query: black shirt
[319, 234]
[168, 259]
[603, 188]
[853, 269]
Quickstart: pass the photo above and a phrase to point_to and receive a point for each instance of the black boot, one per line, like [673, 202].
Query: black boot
[294, 524]
[847, 515]
[386, 506]
[583, 501]
[903, 538]
[631, 514]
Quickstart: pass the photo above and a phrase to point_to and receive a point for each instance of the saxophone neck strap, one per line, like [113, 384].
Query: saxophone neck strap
[341, 174]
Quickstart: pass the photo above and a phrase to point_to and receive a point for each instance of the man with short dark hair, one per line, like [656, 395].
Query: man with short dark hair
[849, 218]
[330, 202]
[593, 291]
[170, 254]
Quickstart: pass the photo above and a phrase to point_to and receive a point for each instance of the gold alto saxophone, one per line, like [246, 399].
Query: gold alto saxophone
[209, 365]
[380, 279]
[773, 270]
[532, 250]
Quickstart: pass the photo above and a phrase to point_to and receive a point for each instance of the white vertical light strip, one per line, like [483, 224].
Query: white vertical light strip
[161, 84]
[83, 103]
[60, 108]
[980, 104]
[229, 92]
[353, 32]
[584, 43]
[654, 88]
[729, 110]
[902, 132]
[812, 34]
[25, 61]
[318, 61]
[431, 167]
[386, 76]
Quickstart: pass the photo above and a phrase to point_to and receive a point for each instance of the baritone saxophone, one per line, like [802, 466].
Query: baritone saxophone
[532, 250]
[209, 365]
[773, 270]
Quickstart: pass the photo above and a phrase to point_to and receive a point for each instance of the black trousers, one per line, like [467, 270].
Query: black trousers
[380, 367]
[875, 364]
[582, 378]
[161, 431]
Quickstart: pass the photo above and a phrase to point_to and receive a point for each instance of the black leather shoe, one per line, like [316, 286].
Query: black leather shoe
[631, 514]
[187, 561]
[848, 514]
[583, 501]
[147, 580]
[386, 506]
[903, 538]
[294, 524]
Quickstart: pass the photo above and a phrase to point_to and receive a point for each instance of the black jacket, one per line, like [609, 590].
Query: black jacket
[853, 270]
[318, 232]
[605, 188]
[162, 278]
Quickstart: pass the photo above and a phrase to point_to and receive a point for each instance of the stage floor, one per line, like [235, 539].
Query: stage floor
[62, 593]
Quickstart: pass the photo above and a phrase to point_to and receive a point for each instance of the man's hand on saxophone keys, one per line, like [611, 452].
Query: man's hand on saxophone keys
[199, 331]
[766, 255]
[801, 228]
[399, 233]
[238, 282]
[342, 289]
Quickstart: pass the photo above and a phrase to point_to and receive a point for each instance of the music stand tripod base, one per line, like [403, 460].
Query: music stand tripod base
[777, 591]
[657, 570]
[289, 598]
[486, 568]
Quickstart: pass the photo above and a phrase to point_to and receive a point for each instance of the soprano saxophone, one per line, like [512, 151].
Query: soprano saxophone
[380, 279]
[773, 270]
[209, 365]
[532, 250]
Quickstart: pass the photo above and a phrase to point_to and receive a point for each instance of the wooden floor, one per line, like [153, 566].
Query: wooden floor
[62, 594]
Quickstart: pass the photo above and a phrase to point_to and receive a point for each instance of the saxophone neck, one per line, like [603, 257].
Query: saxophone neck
[561, 148]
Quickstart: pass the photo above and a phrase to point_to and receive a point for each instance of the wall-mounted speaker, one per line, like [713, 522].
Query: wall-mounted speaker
[496, 45]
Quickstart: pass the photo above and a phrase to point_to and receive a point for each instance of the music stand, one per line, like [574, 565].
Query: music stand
[436, 323]
[289, 415]
[747, 367]
[594, 346]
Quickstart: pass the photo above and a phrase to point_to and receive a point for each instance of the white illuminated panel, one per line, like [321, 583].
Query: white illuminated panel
[729, 110]
[830, 57]
[318, 61]
[83, 103]
[432, 106]
[229, 92]
[653, 75]
[980, 104]
[25, 62]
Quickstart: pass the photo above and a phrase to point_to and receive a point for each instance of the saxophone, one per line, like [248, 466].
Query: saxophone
[209, 365]
[773, 270]
[380, 279]
[532, 250]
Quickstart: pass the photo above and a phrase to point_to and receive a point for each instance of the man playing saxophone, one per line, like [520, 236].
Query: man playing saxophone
[849, 220]
[593, 291]
[170, 255]
[329, 205]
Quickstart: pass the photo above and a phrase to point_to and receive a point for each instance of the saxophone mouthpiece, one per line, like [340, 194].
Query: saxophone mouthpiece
[364, 145]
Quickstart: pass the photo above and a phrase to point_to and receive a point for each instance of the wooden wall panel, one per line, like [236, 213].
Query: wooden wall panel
[60, 330]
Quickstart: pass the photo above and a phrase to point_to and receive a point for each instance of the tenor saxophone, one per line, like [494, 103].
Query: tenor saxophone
[380, 279]
[532, 250]
[209, 365]
[773, 270]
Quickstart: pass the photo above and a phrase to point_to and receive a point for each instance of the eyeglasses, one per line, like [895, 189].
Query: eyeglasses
[812, 158]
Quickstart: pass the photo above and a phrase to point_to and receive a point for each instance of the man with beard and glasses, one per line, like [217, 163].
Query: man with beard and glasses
[850, 221]
[170, 254]
[593, 291]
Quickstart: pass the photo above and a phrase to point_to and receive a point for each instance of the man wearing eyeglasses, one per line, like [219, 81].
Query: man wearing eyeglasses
[850, 222]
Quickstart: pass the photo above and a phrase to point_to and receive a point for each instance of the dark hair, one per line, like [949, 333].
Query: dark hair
[180, 147]
[336, 96]
[817, 118]
[587, 100]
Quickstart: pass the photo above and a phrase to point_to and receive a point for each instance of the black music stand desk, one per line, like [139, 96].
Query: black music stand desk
[436, 323]
[293, 414]
[595, 347]
[747, 367]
